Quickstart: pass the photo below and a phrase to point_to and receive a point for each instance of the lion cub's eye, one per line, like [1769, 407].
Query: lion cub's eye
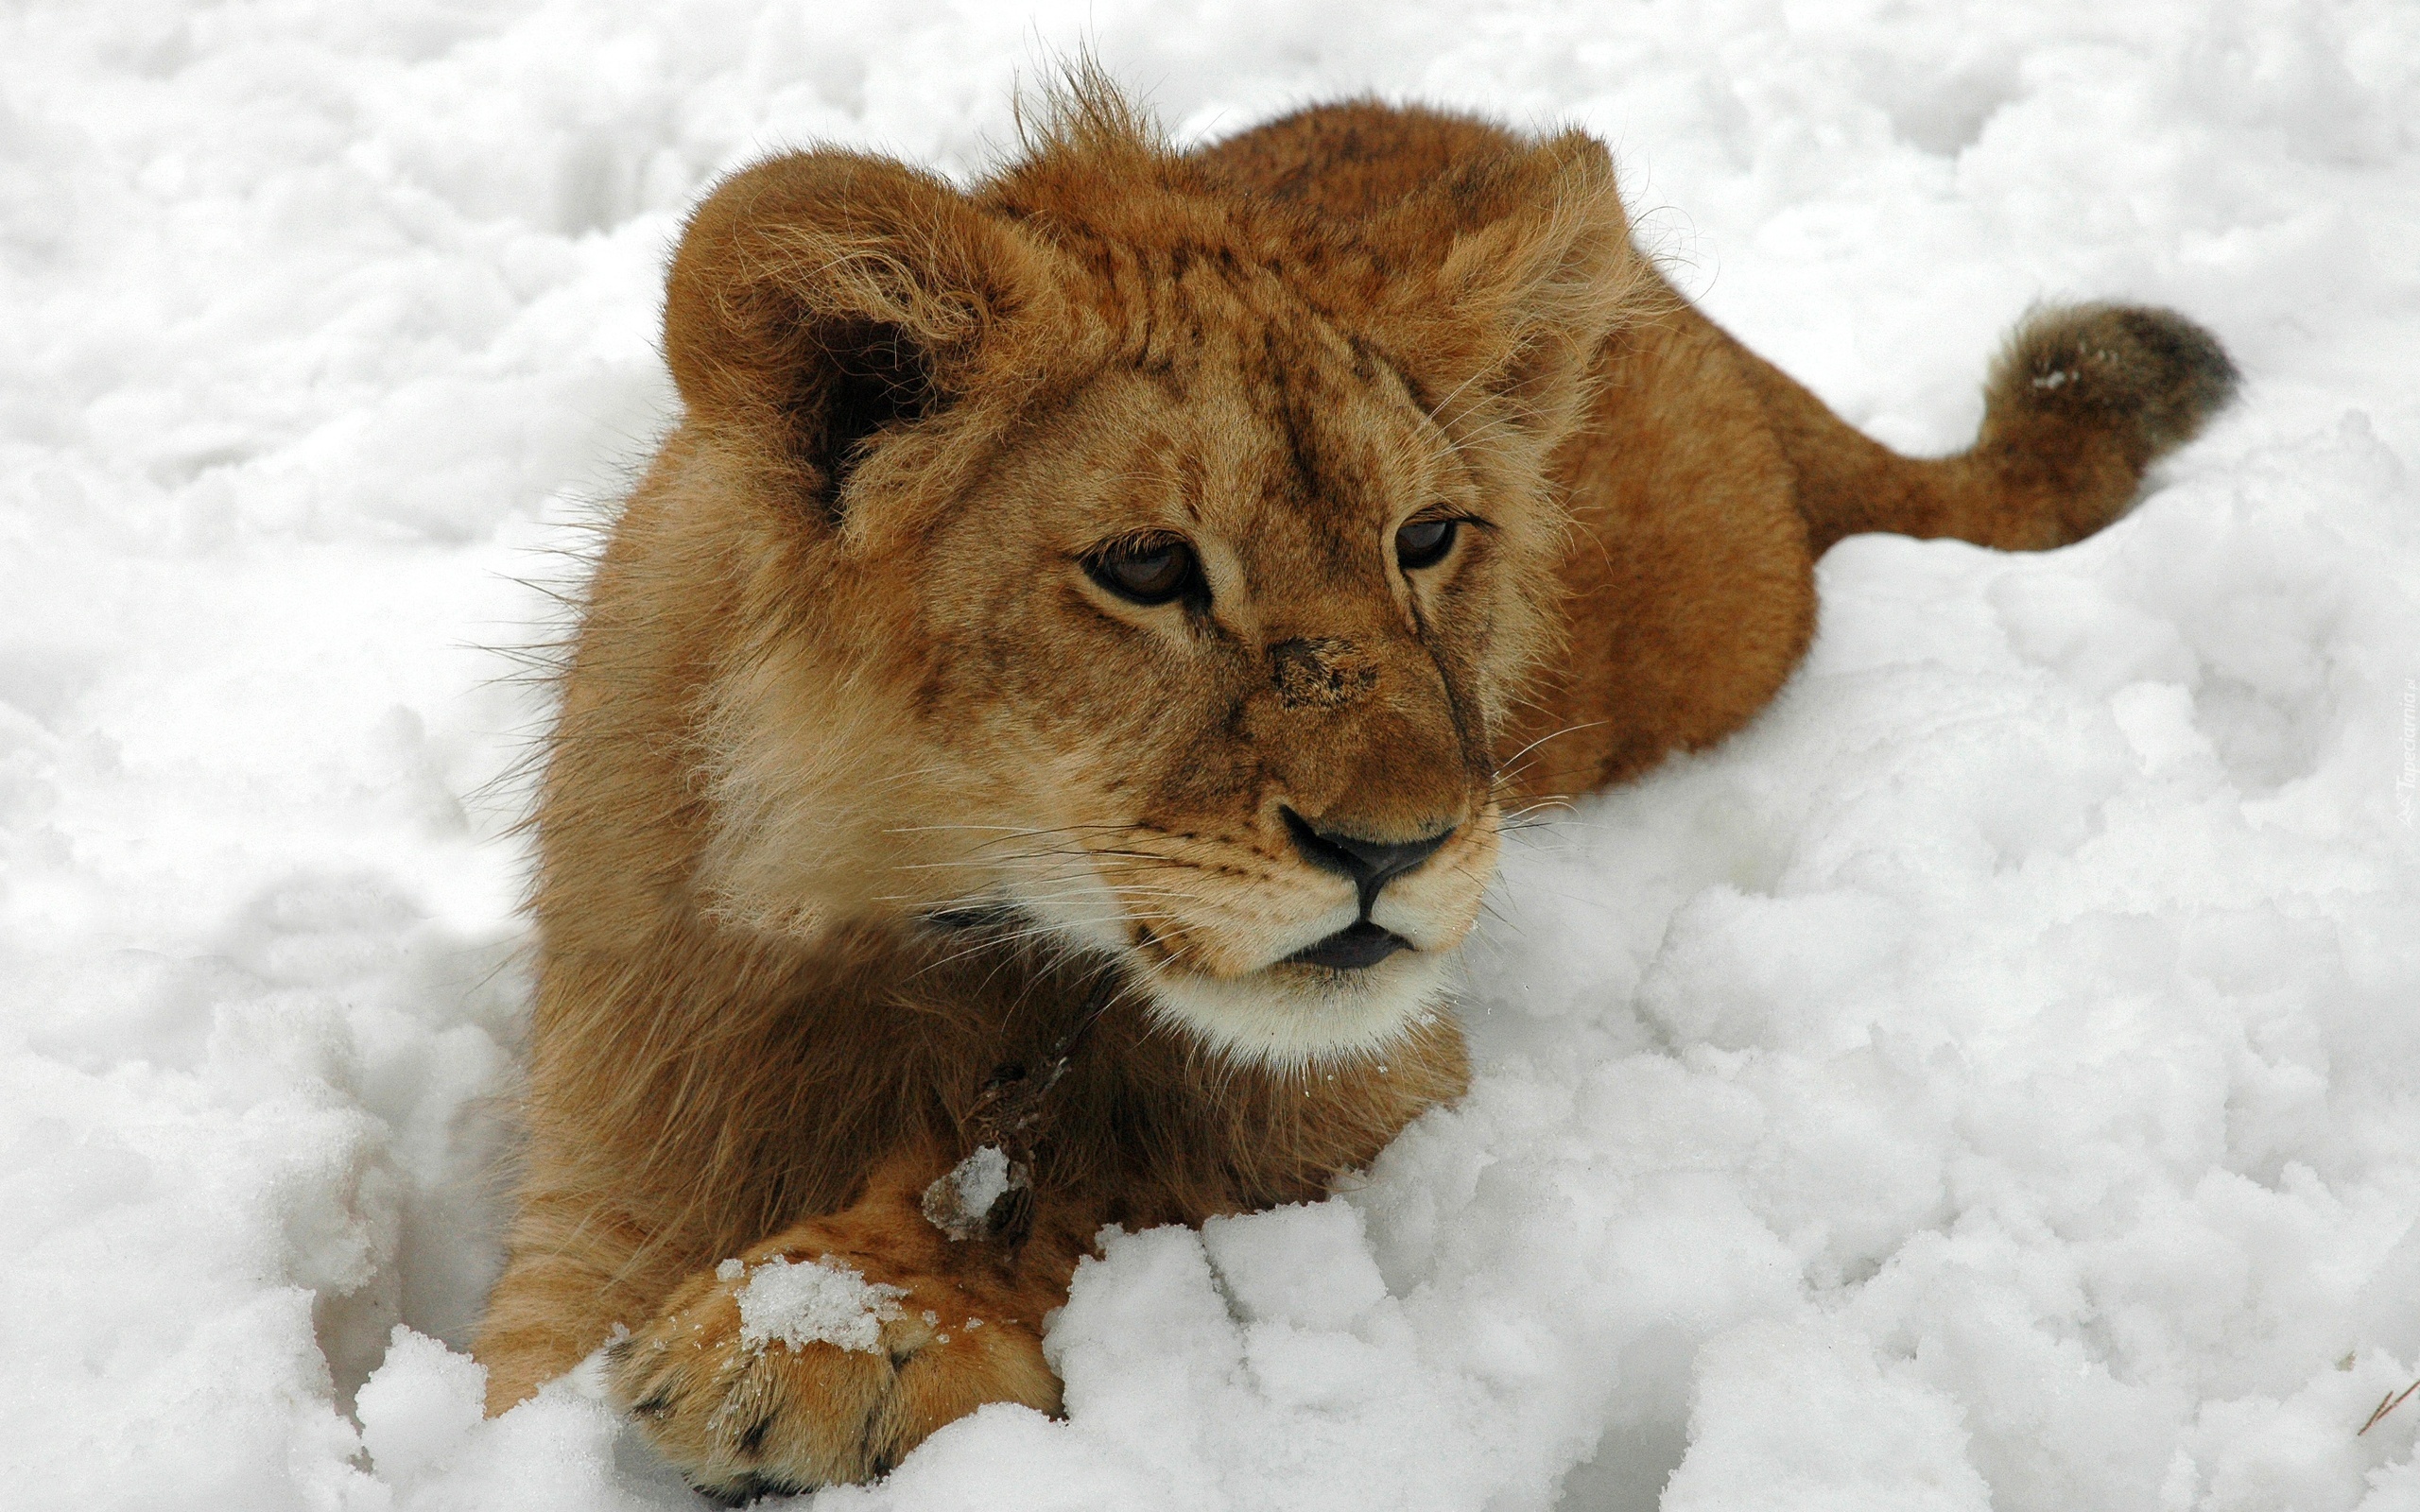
[1425, 542]
[1153, 570]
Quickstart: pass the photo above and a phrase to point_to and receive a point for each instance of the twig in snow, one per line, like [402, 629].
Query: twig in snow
[2387, 1404]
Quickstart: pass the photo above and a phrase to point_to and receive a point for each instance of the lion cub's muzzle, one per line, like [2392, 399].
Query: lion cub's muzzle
[1369, 865]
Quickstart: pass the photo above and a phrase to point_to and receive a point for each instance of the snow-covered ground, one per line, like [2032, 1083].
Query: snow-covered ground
[1994, 1080]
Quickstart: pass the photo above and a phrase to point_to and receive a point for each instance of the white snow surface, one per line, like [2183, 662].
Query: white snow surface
[811, 1302]
[1991, 1080]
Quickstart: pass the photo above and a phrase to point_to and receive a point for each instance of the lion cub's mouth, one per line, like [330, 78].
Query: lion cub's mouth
[1286, 974]
[1354, 948]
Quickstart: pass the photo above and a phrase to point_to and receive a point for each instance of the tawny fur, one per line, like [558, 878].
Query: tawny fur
[860, 789]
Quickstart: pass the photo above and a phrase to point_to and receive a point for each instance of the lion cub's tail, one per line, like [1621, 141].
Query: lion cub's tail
[2081, 402]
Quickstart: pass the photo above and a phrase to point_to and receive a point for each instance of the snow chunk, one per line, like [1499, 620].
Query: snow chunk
[1802, 1415]
[420, 1407]
[817, 1301]
[1308, 1264]
[961, 1201]
[981, 1178]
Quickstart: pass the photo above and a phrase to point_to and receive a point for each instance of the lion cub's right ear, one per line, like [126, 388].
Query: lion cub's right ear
[823, 301]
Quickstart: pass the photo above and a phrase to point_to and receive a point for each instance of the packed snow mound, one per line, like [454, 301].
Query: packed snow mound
[1991, 1080]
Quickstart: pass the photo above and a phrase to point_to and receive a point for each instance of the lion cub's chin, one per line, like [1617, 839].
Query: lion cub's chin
[1295, 1018]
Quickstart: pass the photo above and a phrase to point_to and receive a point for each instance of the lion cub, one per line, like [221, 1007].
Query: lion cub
[1043, 725]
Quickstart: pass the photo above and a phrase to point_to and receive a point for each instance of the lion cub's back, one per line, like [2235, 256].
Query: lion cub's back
[1353, 159]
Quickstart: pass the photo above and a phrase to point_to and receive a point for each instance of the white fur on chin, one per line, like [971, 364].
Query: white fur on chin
[1293, 1018]
[1280, 1018]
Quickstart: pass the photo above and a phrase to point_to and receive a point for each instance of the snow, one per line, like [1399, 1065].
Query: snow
[811, 1302]
[1988, 1081]
[961, 1199]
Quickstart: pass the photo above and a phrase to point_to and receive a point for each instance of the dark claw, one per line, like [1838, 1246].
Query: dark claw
[754, 1440]
[658, 1404]
[748, 1488]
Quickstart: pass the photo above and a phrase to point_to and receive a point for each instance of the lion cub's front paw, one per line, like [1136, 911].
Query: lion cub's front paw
[798, 1369]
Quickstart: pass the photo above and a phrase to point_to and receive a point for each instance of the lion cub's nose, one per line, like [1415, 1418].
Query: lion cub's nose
[1369, 865]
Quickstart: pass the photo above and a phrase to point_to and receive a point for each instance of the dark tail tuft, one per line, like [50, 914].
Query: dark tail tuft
[2145, 379]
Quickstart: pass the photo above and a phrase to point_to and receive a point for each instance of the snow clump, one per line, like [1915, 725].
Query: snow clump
[811, 1302]
[961, 1199]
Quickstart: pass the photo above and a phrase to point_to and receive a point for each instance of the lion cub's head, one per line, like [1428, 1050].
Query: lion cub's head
[1129, 553]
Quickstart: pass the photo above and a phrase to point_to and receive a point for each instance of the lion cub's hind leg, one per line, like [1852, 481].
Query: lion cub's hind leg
[826, 1353]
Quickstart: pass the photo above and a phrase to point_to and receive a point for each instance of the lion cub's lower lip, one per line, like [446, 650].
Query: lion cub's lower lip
[1352, 949]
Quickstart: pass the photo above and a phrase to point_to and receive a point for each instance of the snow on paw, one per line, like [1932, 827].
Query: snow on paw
[799, 1370]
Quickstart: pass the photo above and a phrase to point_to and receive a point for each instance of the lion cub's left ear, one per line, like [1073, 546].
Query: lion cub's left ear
[822, 303]
[1526, 265]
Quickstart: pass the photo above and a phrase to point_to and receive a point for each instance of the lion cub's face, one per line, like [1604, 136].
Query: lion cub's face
[1226, 639]
[1167, 606]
